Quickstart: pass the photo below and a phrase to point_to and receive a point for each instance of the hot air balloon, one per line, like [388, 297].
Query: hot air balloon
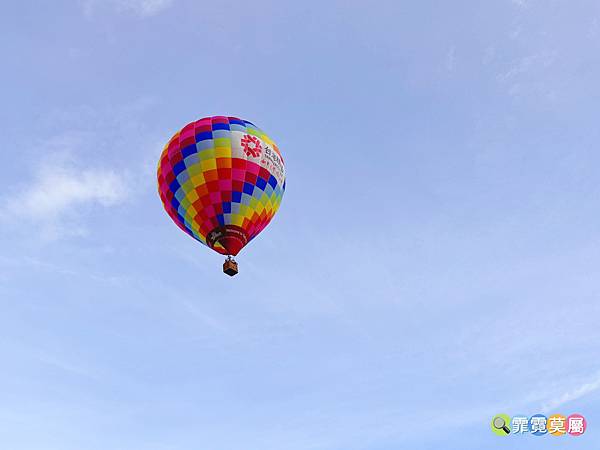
[221, 179]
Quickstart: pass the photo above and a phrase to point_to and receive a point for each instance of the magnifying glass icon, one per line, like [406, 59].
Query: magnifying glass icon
[500, 424]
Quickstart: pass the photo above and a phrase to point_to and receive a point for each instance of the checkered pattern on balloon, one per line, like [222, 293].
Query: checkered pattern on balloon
[221, 179]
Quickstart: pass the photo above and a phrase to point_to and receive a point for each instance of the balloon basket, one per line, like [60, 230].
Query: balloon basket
[230, 267]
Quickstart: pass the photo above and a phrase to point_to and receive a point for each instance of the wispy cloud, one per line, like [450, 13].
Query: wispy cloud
[78, 173]
[57, 193]
[525, 64]
[141, 8]
[58, 189]
[575, 393]
[527, 74]
[450, 58]
[520, 3]
[206, 319]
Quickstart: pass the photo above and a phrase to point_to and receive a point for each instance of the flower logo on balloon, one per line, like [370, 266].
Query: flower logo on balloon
[251, 145]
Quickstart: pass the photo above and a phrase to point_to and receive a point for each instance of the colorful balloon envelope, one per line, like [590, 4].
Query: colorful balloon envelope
[221, 179]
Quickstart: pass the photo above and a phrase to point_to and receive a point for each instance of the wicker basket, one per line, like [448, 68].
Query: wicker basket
[230, 267]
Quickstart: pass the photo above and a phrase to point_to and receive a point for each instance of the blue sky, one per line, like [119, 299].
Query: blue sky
[434, 262]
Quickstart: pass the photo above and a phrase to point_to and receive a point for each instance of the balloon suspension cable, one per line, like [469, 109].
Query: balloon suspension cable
[230, 267]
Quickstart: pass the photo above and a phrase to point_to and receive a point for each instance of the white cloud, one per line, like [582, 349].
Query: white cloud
[73, 178]
[573, 394]
[59, 190]
[538, 62]
[450, 58]
[520, 3]
[141, 8]
[527, 75]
